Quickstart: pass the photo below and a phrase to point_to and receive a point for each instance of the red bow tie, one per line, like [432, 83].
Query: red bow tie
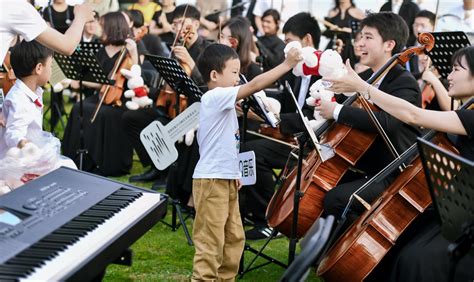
[38, 103]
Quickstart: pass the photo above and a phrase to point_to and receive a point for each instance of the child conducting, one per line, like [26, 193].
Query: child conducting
[218, 233]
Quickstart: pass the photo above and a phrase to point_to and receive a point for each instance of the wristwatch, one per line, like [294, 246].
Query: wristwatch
[366, 93]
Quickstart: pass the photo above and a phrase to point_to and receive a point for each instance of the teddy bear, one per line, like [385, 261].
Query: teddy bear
[137, 91]
[310, 62]
[330, 65]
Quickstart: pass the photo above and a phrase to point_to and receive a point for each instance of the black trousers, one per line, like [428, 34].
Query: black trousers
[255, 198]
[337, 198]
[133, 122]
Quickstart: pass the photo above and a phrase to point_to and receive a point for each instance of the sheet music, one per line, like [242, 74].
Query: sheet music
[57, 74]
[325, 154]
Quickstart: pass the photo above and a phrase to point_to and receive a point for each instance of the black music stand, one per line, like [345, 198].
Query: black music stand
[446, 43]
[82, 65]
[451, 183]
[174, 75]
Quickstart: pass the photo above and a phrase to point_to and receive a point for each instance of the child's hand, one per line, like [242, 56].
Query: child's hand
[84, 11]
[239, 184]
[293, 57]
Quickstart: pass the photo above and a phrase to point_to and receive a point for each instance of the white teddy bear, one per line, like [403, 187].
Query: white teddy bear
[137, 91]
[310, 62]
[330, 65]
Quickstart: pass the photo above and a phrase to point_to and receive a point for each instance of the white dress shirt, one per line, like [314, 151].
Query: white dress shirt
[23, 115]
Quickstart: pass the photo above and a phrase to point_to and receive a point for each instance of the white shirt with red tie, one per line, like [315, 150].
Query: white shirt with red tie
[23, 112]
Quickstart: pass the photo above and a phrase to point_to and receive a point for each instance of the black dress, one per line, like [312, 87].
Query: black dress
[348, 50]
[109, 150]
[424, 255]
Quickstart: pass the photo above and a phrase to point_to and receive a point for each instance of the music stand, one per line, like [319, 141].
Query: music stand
[174, 75]
[446, 44]
[82, 65]
[451, 183]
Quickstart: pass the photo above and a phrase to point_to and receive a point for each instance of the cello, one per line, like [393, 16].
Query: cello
[318, 177]
[376, 231]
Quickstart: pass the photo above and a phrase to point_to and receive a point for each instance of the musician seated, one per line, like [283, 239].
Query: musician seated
[383, 34]
[270, 45]
[109, 151]
[270, 155]
[421, 252]
[23, 105]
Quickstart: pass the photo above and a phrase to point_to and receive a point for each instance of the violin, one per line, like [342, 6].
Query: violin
[172, 102]
[112, 94]
[8, 78]
[318, 177]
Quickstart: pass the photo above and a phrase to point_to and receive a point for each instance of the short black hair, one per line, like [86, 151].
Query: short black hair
[427, 14]
[192, 12]
[214, 57]
[26, 55]
[302, 24]
[390, 27]
[468, 53]
[137, 18]
[274, 14]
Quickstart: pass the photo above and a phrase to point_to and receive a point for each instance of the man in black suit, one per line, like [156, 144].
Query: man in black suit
[304, 28]
[383, 34]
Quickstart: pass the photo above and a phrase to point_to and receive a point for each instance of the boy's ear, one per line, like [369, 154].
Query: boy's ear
[213, 75]
[39, 68]
[389, 45]
[307, 40]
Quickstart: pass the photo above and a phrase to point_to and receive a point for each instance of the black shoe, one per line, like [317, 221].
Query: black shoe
[258, 233]
[159, 184]
[149, 175]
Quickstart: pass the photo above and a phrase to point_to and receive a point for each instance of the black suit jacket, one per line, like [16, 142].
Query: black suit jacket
[399, 83]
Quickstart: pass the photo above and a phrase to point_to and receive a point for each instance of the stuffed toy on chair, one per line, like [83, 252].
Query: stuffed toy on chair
[137, 91]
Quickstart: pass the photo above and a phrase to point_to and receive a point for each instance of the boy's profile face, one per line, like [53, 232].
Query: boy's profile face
[229, 76]
[43, 70]
[373, 50]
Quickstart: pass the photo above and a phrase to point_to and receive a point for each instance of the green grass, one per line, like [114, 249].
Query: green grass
[164, 255]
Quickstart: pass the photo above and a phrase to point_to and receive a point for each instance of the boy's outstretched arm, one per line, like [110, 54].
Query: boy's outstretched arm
[267, 78]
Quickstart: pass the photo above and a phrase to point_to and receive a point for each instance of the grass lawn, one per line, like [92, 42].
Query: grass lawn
[164, 255]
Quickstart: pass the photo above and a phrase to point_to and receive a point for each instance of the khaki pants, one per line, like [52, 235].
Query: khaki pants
[218, 233]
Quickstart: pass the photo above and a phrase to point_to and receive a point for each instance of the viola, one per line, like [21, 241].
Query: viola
[427, 95]
[174, 103]
[112, 94]
[318, 177]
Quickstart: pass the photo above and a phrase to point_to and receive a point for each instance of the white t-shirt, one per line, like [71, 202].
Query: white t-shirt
[18, 17]
[218, 135]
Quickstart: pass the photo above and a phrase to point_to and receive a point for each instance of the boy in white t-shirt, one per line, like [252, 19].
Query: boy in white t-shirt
[218, 232]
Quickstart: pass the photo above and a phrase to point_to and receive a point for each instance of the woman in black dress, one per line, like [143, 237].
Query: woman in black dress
[423, 257]
[343, 13]
[109, 151]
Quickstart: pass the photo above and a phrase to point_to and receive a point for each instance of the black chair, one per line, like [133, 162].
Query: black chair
[311, 248]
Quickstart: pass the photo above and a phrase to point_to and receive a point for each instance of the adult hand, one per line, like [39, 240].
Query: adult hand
[347, 84]
[326, 108]
[85, 12]
[182, 54]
